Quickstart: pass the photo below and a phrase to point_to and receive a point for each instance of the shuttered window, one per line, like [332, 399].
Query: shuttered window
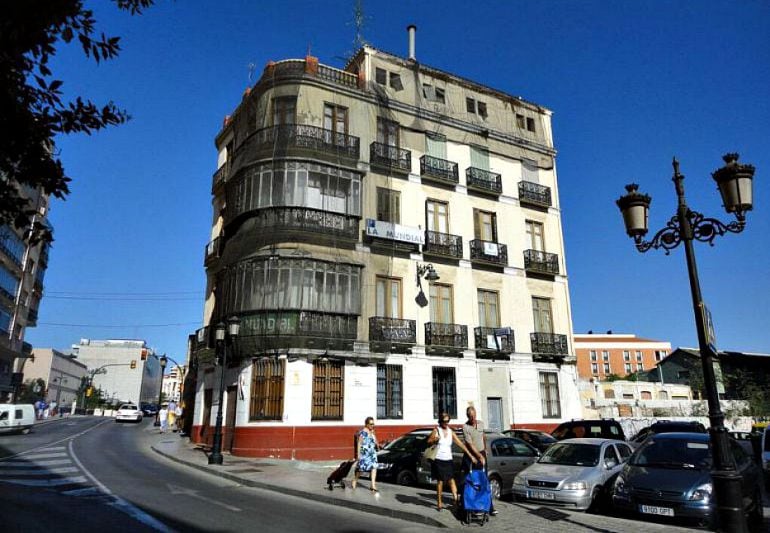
[485, 225]
[328, 390]
[390, 395]
[388, 205]
[444, 391]
[267, 385]
[435, 145]
[549, 394]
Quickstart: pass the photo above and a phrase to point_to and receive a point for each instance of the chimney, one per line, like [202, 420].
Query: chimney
[411, 29]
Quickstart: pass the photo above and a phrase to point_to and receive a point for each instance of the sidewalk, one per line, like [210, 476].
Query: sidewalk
[414, 504]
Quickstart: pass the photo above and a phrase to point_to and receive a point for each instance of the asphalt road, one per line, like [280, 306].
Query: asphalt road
[90, 472]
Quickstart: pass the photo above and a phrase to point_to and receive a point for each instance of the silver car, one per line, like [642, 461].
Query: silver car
[575, 473]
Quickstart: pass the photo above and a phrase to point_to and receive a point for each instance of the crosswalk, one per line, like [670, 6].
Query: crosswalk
[49, 468]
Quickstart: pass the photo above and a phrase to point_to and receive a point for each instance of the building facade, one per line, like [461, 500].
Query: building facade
[124, 370]
[616, 354]
[63, 374]
[22, 270]
[338, 194]
[172, 383]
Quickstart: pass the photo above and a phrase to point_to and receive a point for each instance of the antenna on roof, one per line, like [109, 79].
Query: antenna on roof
[252, 67]
[359, 20]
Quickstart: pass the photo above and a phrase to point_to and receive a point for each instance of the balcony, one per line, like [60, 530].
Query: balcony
[301, 68]
[534, 194]
[301, 140]
[439, 170]
[489, 253]
[443, 244]
[494, 342]
[296, 329]
[445, 339]
[483, 181]
[539, 262]
[392, 335]
[212, 251]
[390, 158]
[302, 224]
[548, 346]
[32, 317]
[220, 176]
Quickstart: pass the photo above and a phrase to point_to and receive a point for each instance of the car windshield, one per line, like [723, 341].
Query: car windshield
[677, 428]
[673, 453]
[127, 407]
[406, 443]
[573, 454]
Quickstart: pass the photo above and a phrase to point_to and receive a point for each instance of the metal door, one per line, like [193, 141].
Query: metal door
[495, 414]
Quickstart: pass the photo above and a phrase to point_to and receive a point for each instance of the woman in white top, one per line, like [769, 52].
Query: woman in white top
[443, 466]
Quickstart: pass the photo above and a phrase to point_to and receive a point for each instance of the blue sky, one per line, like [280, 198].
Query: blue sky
[631, 84]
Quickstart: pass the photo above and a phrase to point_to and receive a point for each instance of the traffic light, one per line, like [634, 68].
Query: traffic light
[133, 364]
[89, 391]
[144, 354]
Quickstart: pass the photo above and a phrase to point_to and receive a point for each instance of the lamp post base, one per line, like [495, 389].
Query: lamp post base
[215, 459]
[729, 502]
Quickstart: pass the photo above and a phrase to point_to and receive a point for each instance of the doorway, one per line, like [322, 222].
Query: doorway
[495, 414]
[232, 399]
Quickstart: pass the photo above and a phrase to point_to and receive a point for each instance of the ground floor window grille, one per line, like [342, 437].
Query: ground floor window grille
[549, 394]
[444, 391]
[328, 387]
[267, 389]
[389, 391]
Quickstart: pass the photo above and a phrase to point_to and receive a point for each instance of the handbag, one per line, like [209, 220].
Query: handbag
[431, 452]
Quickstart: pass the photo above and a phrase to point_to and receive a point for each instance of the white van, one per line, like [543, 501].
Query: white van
[16, 418]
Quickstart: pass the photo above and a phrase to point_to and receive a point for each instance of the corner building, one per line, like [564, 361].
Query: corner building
[333, 187]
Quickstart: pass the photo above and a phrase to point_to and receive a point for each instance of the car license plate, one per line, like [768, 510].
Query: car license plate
[540, 495]
[651, 509]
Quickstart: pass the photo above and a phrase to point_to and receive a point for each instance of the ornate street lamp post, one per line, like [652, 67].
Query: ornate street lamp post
[223, 334]
[735, 186]
[162, 360]
[430, 274]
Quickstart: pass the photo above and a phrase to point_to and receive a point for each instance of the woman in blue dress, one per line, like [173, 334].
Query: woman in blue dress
[366, 452]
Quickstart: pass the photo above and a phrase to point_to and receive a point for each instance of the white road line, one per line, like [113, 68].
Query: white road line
[55, 482]
[35, 464]
[44, 446]
[88, 491]
[38, 472]
[55, 449]
[119, 502]
[36, 456]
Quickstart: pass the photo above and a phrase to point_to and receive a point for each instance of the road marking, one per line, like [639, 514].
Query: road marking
[55, 482]
[88, 491]
[39, 472]
[44, 446]
[118, 502]
[36, 456]
[176, 489]
[35, 464]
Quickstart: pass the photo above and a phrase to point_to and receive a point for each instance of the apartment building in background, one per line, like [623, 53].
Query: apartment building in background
[600, 355]
[61, 373]
[338, 194]
[22, 270]
[172, 383]
[126, 370]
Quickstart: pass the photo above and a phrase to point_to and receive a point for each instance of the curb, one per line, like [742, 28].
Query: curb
[364, 507]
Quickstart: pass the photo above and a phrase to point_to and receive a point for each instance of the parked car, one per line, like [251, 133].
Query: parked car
[399, 459]
[148, 409]
[605, 428]
[506, 456]
[537, 439]
[669, 475]
[667, 426]
[16, 418]
[128, 412]
[576, 473]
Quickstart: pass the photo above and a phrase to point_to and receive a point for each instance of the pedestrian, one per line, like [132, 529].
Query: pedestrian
[46, 409]
[39, 409]
[163, 418]
[177, 417]
[476, 443]
[442, 469]
[366, 453]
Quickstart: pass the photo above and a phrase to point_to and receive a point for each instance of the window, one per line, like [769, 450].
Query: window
[683, 374]
[531, 124]
[479, 157]
[441, 308]
[611, 457]
[381, 76]
[488, 309]
[541, 310]
[606, 368]
[660, 354]
[444, 391]
[437, 216]
[328, 388]
[605, 355]
[646, 395]
[267, 389]
[520, 121]
[336, 119]
[9, 283]
[639, 367]
[5, 320]
[593, 355]
[485, 225]
[388, 297]
[482, 109]
[284, 110]
[662, 395]
[433, 94]
[535, 235]
[626, 355]
[594, 368]
[628, 396]
[628, 368]
[12, 244]
[639, 357]
[435, 145]
[387, 132]
[390, 393]
[609, 394]
[395, 81]
[388, 205]
[476, 107]
[470, 105]
[549, 394]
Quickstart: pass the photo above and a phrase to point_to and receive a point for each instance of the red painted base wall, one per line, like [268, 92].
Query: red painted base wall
[310, 443]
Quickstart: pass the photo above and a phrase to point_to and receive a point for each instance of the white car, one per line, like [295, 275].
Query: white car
[128, 412]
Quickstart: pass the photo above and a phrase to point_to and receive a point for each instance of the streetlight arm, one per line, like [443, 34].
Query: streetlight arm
[703, 230]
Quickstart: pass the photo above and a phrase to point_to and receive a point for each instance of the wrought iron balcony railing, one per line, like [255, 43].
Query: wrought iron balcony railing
[446, 335]
[443, 244]
[303, 139]
[483, 180]
[549, 344]
[494, 339]
[213, 250]
[220, 176]
[534, 194]
[392, 330]
[297, 223]
[489, 252]
[390, 157]
[439, 170]
[541, 262]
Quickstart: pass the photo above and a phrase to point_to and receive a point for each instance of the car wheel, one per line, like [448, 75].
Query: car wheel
[597, 500]
[405, 477]
[495, 487]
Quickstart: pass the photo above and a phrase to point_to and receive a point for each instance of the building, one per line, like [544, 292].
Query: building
[340, 196]
[124, 370]
[172, 383]
[63, 374]
[616, 354]
[22, 270]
